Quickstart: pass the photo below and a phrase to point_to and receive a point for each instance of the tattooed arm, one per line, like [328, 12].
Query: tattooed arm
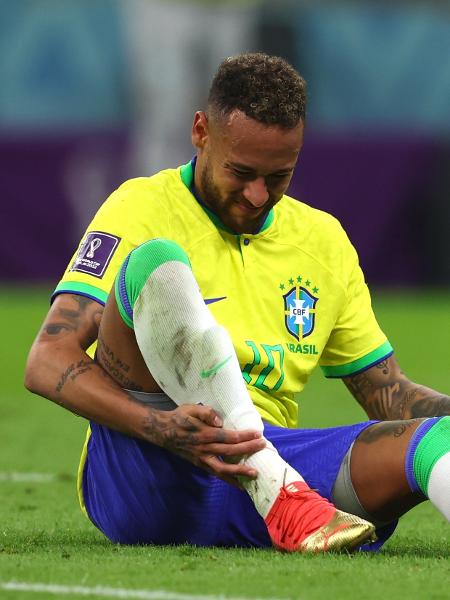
[59, 369]
[385, 393]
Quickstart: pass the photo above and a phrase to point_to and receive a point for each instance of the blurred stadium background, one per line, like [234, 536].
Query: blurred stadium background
[96, 91]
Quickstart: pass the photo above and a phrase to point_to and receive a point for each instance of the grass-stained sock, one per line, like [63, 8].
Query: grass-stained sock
[190, 356]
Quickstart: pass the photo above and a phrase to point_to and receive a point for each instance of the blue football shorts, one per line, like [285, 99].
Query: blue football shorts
[138, 493]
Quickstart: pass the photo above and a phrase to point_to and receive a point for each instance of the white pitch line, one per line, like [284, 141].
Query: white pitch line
[111, 592]
[16, 477]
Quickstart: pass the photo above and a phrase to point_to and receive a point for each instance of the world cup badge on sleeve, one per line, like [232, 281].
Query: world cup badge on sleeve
[95, 253]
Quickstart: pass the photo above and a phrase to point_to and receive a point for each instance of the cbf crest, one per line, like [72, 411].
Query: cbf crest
[300, 308]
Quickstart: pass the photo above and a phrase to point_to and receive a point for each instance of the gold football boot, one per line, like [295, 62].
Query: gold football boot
[344, 532]
[301, 520]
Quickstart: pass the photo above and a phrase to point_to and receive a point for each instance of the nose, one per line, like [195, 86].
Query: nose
[255, 192]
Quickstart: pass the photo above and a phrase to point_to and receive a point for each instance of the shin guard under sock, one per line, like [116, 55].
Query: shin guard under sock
[190, 356]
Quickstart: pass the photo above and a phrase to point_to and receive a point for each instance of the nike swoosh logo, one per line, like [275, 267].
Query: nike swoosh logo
[211, 300]
[213, 371]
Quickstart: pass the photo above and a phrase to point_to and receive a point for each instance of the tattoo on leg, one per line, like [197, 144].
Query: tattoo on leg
[386, 429]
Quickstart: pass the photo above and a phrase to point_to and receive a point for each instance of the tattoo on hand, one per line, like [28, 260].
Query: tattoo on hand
[167, 433]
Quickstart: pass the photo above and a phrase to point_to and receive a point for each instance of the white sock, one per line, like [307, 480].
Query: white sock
[193, 360]
[439, 485]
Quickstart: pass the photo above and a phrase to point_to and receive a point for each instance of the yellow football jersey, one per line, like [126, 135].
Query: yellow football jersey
[291, 296]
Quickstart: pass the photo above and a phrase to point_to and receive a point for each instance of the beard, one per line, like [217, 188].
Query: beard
[222, 206]
[211, 194]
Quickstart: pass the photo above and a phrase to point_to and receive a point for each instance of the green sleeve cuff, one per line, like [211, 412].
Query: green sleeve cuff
[83, 289]
[361, 364]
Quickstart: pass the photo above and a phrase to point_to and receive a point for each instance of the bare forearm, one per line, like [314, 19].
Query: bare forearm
[75, 382]
[58, 368]
[70, 378]
[386, 393]
[405, 400]
[425, 402]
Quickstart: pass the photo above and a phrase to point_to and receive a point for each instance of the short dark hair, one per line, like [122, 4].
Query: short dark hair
[265, 88]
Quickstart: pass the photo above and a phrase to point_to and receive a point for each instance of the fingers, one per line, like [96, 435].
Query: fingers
[194, 433]
[228, 471]
[227, 437]
[194, 418]
[239, 449]
[207, 414]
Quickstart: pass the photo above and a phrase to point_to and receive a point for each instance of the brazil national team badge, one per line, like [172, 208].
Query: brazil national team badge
[300, 307]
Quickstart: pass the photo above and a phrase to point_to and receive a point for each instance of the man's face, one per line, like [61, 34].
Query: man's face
[243, 167]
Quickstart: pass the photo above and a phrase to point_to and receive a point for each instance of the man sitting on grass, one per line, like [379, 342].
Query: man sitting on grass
[221, 295]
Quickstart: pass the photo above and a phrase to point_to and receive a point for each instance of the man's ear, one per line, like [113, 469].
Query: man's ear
[200, 129]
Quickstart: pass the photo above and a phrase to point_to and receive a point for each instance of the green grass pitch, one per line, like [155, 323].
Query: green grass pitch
[45, 539]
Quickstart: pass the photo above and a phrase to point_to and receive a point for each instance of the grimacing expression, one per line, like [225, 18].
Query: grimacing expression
[243, 166]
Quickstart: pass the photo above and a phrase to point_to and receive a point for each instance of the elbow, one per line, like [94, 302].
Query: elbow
[30, 381]
[34, 372]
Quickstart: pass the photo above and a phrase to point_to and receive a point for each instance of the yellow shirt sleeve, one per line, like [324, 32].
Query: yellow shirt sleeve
[123, 222]
[356, 341]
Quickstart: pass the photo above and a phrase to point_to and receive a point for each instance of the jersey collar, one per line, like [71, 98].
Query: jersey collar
[187, 177]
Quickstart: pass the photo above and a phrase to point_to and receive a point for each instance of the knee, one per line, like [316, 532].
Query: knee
[145, 259]
[138, 267]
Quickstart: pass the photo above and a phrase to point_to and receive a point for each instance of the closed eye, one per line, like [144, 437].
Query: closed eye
[276, 176]
[241, 173]
[249, 175]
